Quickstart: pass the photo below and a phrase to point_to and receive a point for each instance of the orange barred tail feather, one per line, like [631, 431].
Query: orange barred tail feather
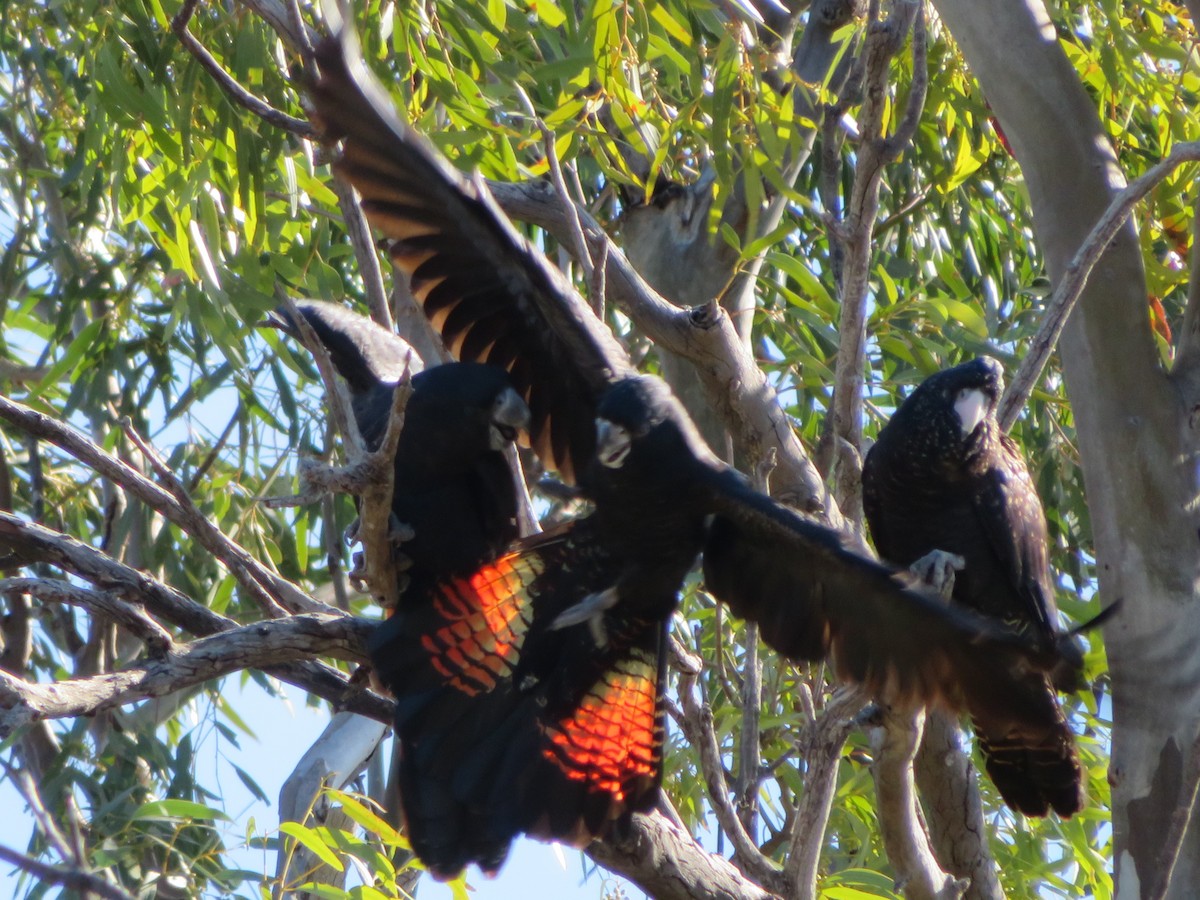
[507, 726]
[603, 755]
[487, 616]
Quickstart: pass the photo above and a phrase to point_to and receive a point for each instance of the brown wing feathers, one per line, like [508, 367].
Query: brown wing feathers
[491, 295]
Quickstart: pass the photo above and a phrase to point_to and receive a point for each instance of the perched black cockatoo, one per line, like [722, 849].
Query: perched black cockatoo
[561, 655]
[452, 484]
[944, 476]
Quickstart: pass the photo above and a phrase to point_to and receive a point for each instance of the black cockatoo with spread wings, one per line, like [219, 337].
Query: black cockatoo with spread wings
[529, 697]
[452, 484]
[943, 475]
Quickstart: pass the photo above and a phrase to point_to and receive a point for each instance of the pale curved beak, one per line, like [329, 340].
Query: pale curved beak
[971, 407]
[510, 414]
[612, 443]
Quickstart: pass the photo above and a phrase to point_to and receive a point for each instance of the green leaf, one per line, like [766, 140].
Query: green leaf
[177, 809]
[361, 815]
[313, 843]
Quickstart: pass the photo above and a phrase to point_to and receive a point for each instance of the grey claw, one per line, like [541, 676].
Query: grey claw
[590, 607]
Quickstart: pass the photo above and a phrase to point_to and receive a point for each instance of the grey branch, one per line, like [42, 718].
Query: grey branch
[667, 863]
[260, 645]
[953, 809]
[825, 738]
[156, 638]
[696, 722]
[917, 871]
[705, 336]
[25, 542]
[884, 40]
[364, 252]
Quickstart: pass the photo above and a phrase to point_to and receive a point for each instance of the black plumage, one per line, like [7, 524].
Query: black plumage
[605, 590]
[944, 476]
[452, 485]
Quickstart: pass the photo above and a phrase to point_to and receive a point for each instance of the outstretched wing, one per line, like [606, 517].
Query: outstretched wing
[507, 727]
[492, 296]
[812, 594]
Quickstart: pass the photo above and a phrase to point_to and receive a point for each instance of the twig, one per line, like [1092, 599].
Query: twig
[822, 755]
[696, 722]
[579, 247]
[750, 759]
[215, 450]
[300, 34]
[334, 548]
[282, 21]
[29, 791]
[1075, 278]
[251, 575]
[365, 253]
[76, 880]
[884, 40]
[157, 639]
[683, 659]
[228, 83]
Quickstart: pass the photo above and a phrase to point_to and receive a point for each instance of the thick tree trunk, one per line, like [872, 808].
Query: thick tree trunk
[1131, 425]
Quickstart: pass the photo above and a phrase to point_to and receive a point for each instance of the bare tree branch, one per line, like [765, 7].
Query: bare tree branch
[953, 809]
[28, 542]
[706, 336]
[696, 722]
[884, 40]
[668, 864]
[822, 750]
[283, 21]
[917, 871]
[365, 252]
[261, 645]
[578, 245]
[261, 584]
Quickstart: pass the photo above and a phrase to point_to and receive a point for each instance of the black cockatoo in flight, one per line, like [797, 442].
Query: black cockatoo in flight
[452, 485]
[529, 696]
[944, 476]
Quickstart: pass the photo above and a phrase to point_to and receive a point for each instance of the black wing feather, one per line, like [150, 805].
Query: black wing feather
[811, 594]
[490, 293]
